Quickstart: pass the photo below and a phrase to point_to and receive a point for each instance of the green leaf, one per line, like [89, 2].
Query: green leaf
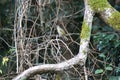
[5, 60]
[117, 43]
[11, 50]
[109, 68]
[102, 55]
[98, 71]
[110, 37]
[110, 64]
[0, 71]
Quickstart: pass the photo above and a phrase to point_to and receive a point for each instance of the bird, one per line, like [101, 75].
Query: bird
[61, 32]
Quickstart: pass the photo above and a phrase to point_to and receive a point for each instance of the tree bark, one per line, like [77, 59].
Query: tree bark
[107, 12]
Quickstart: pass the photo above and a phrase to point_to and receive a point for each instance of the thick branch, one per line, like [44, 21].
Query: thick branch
[49, 67]
[107, 12]
[112, 17]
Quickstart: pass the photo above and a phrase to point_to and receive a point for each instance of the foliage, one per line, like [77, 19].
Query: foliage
[4, 61]
[106, 43]
[98, 71]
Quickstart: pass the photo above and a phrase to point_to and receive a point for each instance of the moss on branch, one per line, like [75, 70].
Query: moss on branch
[114, 20]
[98, 5]
[85, 31]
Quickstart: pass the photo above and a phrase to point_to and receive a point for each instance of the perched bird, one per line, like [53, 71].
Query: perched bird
[61, 32]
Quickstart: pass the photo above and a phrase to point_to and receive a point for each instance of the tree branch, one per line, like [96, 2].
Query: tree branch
[107, 12]
[49, 67]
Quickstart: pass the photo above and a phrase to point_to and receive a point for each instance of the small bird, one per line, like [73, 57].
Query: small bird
[61, 32]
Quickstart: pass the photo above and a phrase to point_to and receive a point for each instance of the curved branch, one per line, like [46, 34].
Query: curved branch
[112, 17]
[49, 67]
[80, 58]
[107, 12]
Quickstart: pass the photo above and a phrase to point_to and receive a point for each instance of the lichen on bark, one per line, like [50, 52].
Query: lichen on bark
[98, 5]
[114, 20]
[102, 6]
[85, 31]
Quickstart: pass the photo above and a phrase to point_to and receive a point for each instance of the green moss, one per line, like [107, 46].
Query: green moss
[85, 31]
[114, 20]
[84, 51]
[98, 5]
[101, 5]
